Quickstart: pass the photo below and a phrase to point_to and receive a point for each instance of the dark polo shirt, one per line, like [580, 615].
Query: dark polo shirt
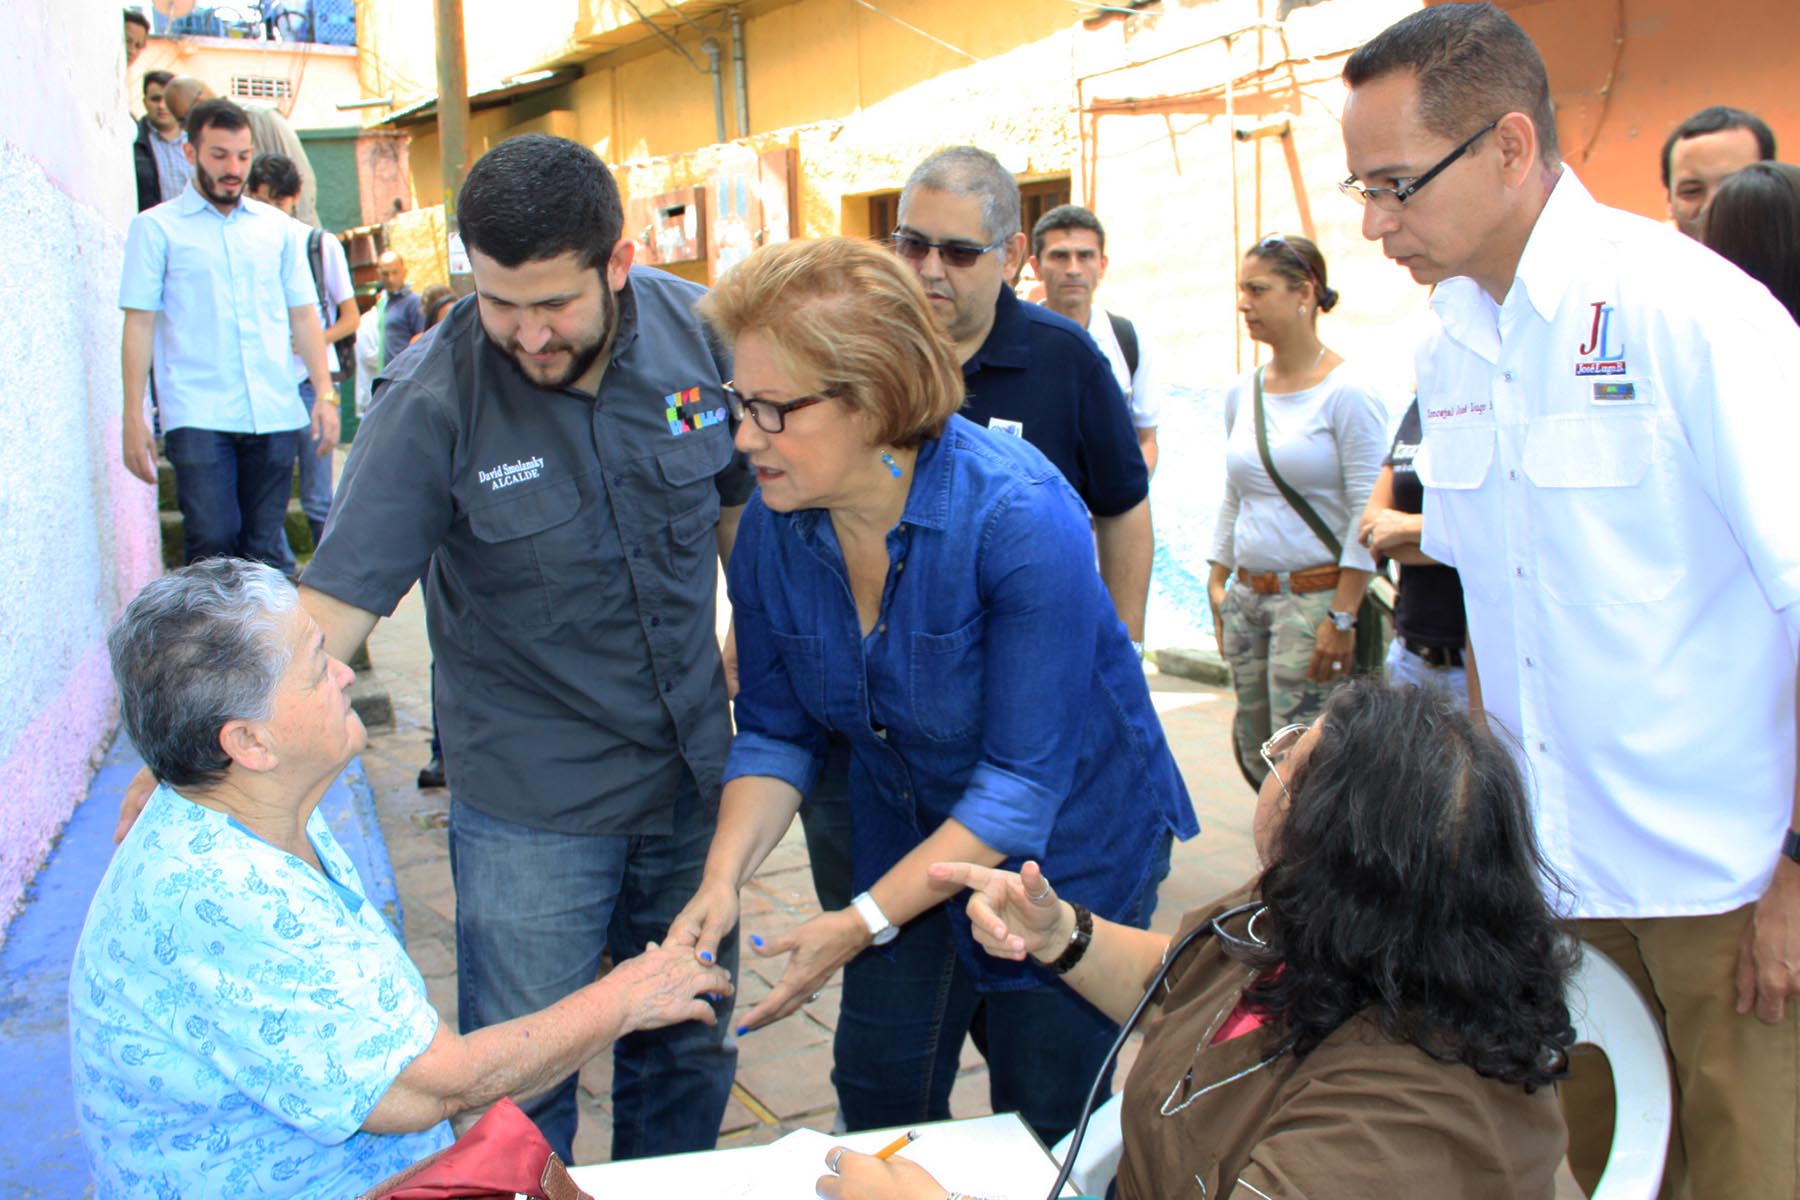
[570, 595]
[1039, 376]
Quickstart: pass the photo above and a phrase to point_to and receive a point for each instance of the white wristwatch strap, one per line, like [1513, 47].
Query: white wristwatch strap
[881, 929]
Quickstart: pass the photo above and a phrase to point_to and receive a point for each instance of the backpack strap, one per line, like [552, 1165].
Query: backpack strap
[1126, 332]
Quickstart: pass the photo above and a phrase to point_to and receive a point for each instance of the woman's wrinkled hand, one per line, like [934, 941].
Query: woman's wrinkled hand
[666, 985]
[1011, 914]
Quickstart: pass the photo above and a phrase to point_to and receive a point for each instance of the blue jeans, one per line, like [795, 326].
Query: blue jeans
[315, 472]
[825, 819]
[233, 491]
[901, 1026]
[534, 910]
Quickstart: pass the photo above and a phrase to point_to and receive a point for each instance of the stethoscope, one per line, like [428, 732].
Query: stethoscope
[1210, 928]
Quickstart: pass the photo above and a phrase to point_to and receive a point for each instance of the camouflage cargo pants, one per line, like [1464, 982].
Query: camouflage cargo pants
[1268, 643]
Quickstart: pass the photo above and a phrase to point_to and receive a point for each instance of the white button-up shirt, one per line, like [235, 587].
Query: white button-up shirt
[1610, 458]
[221, 286]
[1143, 387]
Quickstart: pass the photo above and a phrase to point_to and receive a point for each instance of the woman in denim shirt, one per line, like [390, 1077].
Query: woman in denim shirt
[928, 590]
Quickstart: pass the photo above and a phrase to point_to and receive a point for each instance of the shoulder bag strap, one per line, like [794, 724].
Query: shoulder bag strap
[1294, 499]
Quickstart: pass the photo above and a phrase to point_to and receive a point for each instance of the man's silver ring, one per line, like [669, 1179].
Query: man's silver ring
[1337, 666]
[1043, 895]
[812, 997]
[831, 1160]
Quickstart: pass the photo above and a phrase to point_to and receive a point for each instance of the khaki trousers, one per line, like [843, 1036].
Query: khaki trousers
[1736, 1081]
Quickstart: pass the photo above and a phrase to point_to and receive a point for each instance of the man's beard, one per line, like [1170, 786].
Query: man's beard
[209, 186]
[582, 355]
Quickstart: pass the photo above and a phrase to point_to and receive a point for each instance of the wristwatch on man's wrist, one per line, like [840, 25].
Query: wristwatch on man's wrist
[1343, 622]
[1790, 845]
[881, 930]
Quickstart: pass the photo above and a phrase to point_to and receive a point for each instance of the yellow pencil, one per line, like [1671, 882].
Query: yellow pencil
[897, 1145]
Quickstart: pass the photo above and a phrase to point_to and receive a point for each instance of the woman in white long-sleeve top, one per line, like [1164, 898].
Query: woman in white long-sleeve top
[1288, 571]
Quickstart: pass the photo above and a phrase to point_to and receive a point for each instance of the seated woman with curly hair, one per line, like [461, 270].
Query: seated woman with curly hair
[1381, 1009]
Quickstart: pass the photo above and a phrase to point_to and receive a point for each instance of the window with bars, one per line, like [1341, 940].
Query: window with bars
[261, 87]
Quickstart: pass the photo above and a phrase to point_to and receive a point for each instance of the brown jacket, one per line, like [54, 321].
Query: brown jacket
[1361, 1116]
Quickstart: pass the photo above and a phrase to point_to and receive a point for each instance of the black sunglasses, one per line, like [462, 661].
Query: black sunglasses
[1394, 199]
[770, 415]
[913, 248]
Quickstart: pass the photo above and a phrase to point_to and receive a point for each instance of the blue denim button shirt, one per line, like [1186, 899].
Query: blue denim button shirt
[997, 687]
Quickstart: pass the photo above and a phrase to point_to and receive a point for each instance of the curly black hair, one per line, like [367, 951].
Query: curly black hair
[1405, 882]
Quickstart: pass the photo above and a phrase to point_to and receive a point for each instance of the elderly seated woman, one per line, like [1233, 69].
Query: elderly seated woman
[1379, 1013]
[243, 1022]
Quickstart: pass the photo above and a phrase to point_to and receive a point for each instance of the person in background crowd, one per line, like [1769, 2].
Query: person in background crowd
[217, 297]
[399, 314]
[162, 167]
[275, 180]
[1068, 251]
[1701, 151]
[1429, 627]
[435, 302]
[927, 589]
[137, 34]
[1379, 1013]
[242, 1020]
[1284, 597]
[270, 133]
[1609, 424]
[1754, 220]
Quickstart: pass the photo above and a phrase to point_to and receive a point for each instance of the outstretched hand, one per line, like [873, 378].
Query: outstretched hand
[819, 947]
[1011, 914]
[666, 985]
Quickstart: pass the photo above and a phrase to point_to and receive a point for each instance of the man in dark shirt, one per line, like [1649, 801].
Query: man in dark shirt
[402, 317]
[558, 458]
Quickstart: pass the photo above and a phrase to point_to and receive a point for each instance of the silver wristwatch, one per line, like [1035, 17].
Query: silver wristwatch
[1343, 622]
[881, 930]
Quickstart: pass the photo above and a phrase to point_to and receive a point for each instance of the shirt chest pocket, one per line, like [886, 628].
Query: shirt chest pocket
[946, 681]
[1607, 516]
[1455, 456]
[520, 540]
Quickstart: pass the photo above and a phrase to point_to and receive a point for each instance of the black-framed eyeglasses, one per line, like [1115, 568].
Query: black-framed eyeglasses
[913, 248]
[770, 415]
[1394, 199]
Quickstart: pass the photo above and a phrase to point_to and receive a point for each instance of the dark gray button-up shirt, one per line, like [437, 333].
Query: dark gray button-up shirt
[570, 594]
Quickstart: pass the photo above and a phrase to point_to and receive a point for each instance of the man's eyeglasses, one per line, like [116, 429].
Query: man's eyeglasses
[955, 254]
[1394, 199]
[770, 415]
[1277, 748]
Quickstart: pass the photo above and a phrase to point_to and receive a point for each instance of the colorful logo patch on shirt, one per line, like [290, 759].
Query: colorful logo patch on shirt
[1600, 355]
[1615, 393]
[687, 412]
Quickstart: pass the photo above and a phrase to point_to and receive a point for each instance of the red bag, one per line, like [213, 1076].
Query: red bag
[502, 1156]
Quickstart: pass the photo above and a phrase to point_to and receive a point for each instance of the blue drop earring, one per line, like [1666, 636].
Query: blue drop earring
[892, 466]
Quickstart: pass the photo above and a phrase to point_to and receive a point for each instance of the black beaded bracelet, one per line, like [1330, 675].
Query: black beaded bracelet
[1078, 940]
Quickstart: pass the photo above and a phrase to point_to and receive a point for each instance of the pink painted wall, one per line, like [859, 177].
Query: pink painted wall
[78, 535]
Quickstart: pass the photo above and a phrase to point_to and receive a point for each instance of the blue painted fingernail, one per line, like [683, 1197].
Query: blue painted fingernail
[756, 941]
[706, 956]
[742, 1030]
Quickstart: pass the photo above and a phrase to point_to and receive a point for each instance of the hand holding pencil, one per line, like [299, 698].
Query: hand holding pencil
[879, 1176]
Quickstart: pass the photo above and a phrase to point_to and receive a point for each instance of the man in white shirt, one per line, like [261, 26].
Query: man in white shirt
[1701, 151]
[216, 298]
[1609, 423]
[1068, 253]
[274, 179]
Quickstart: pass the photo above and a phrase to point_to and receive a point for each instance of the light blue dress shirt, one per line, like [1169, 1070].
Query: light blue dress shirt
[234, 1016]
[221, 286]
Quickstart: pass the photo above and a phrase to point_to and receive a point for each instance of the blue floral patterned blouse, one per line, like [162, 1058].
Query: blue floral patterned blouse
[235, 1015]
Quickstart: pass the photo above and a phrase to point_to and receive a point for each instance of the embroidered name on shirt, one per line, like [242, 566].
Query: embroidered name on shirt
[507, 474]
[1474, 408]
[1599, 355]
[688, 413]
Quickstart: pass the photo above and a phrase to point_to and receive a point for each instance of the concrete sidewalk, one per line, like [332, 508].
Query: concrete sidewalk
[784, 1070]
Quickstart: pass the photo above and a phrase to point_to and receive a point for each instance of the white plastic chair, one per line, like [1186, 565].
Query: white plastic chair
[1609, 1015]
[1101, 1147]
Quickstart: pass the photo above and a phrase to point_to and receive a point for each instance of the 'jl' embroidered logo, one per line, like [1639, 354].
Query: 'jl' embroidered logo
[687, 412]
[1600, 356]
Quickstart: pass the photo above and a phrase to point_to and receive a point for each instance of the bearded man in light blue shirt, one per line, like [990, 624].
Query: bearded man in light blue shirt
[217, 296]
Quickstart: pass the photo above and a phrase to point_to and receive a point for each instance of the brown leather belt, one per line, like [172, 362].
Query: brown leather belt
[1273, 583]
[1439, 657]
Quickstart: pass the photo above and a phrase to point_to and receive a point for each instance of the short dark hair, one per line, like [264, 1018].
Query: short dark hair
[1473, 64]
[1297, 260]
[535, 197]
[1754, 220]
[1717, 119]
[135, 17]
[1066, 216]
[435, 300]
[1405, 883]
[276, 172]
[214, 114]
[159, 78]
